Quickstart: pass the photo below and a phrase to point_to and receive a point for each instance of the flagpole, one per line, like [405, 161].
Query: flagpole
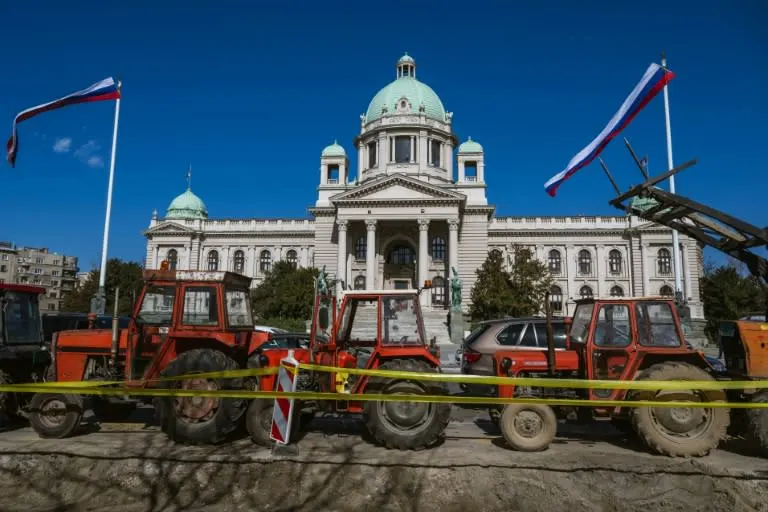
[98, 304]
[670, 164]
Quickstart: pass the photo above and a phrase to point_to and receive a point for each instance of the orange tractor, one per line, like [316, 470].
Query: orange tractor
[381, 330]
[183, 322]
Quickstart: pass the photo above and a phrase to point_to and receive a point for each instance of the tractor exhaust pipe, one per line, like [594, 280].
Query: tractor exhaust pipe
[550, 337]
[113, 351]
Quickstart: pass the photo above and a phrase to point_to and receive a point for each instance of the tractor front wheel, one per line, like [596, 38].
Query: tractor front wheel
[528, 427]
[201, 420]
[757, 423]
[55, 415]
[406, 425]
[679, 431]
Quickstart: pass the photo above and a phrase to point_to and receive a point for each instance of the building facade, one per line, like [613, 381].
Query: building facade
[39, 267]
[416, 209]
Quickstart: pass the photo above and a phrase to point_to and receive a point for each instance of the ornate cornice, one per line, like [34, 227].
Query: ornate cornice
[359, 193]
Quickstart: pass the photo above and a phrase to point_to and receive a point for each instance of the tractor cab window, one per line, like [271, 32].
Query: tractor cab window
[400, 321]
[201, 306]
[613, 328]
[323, 321]
[358, 323]
[20, 319]
[582, 317]
[656, 325]
[238, 308]
[157, 305]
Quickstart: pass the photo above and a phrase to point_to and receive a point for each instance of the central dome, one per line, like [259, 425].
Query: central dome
[406, 86]
[187, 206]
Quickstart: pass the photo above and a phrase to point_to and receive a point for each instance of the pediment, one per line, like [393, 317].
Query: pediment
[168, 227]
[397, 187]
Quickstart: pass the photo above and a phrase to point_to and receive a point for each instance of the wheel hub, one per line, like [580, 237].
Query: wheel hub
[528, 424]
[406, 414]
[680, 420]
[197, 408]
[53, 412]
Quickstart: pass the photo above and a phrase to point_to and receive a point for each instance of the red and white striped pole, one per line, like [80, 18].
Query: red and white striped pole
[282, 413]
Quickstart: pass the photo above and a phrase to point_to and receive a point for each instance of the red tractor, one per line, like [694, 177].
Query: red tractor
[183, 322]
[381, 330]
[625, 340]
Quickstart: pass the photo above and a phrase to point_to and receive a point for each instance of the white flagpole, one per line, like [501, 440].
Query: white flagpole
[670, 164]
[100, 305]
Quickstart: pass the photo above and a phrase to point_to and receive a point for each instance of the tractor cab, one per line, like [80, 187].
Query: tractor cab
[20, 323]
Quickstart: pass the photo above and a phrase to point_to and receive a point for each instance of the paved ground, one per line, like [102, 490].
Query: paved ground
[131, 467]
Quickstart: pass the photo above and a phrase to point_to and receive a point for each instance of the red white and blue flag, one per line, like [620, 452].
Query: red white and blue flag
[107, 89]
[653, 81]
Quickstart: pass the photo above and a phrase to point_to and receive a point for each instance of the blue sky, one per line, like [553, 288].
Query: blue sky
[250, 92]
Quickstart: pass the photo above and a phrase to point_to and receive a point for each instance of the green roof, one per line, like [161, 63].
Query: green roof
[334, 150]
[187, 206]
[470, 146]
[417, 93]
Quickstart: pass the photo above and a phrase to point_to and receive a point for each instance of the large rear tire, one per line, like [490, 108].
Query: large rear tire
[406, 425]
[55, 415]
[683, 431]
[757, 423]
[200, 420]
[528, 427]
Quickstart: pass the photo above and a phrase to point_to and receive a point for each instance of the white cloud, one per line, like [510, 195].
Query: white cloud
[62, 145]
[95, 161]
[88, 154]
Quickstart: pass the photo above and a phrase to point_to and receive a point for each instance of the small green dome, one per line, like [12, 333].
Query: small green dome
[406, 86]
[334, 150]
[470, 146]
[187, 206]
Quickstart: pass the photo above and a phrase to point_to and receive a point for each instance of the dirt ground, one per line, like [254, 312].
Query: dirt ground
[131, 467]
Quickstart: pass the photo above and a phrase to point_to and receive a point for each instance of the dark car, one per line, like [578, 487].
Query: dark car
[491, 336]
[55, 322]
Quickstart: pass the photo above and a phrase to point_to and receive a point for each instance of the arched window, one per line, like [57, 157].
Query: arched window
[555, 262]
[614, 261]
[438, 291]
[173, 259]
[617, 291]
[265, 261]
[496, 253]
[213, 260]
[239, 262]
[292, 258]
[666, 290]
[438, 249]
[556, 298]
[585, 262]
[585, 292]
[664, 262]
[360, 248]
[360, 283]
[402, 255]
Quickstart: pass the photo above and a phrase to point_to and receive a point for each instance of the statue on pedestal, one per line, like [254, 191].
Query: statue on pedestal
[455, 291]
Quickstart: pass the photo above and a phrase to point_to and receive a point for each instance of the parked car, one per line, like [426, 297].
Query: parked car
[286, 340]
[493, 335]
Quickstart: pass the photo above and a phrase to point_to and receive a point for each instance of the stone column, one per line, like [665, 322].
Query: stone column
[686, 260]
[645, 269]
[249, 269]
[453, 245]
[341, 264]
[370, 256]
[423, 252]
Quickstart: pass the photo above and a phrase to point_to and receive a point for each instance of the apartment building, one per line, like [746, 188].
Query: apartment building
[39, 266]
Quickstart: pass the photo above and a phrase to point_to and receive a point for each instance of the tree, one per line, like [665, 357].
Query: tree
[286, 296]
[492, 293]
[125, 274]
[530, 282]
[729, 294]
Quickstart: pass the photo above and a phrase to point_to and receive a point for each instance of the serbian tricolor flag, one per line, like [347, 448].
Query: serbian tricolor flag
[107, 89]
[653, 81]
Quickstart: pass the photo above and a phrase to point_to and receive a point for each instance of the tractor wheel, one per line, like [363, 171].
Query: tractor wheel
[258, 421]
[679, 431]
[406, 425]
[528, 427]
[201, 420]
[55, 415]
[757, 421]
[9, 405]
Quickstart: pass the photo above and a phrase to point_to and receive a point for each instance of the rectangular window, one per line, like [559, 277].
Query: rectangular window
[372, 154]
[5, 257]
[200, 306]
[434, 152]
[157, 305]
[238, 308]
[510, 335]
[38, 271]
[402, 149]
[470, 171]
[333, 174]
[400, 321]
[22, 319]
[558, 333]
[656, 325]
[3, 268]
[613, 328]
[358, 323]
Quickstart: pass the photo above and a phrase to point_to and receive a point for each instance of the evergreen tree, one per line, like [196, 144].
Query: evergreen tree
[492, 294]
[125, 274]
[530, 282]
[728, 294]
[286, 296]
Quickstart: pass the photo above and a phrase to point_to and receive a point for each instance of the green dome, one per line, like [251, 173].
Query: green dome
[334, 150]
[187, 206]
[470, 146]
[406, 86]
